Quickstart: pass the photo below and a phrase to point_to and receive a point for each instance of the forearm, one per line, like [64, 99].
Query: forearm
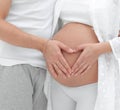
[13, 35]
[104, 47]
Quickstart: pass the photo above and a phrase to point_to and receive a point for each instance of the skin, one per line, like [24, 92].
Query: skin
[90, 54]
[17, 37]
[83, 40]
[52, 49]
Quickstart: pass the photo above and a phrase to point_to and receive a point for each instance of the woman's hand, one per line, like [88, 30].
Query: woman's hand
[55, 61]
[89, 55]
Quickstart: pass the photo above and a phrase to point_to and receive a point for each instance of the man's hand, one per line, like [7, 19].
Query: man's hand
[55, 61]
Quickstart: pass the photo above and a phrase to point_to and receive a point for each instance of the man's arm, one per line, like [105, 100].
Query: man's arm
[51, 50]
[13, 35]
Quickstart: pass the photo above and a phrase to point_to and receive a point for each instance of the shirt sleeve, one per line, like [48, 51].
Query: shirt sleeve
[115, 45]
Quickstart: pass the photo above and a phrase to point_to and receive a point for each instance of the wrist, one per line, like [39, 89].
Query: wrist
[104, 47]
[44, 45]
[39, 43]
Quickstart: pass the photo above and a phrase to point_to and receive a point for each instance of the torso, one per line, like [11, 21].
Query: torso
[74, 34]
[33, 17]
[76, 11]
[76, 30]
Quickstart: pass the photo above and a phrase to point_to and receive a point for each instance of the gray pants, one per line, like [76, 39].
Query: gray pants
[21, 88]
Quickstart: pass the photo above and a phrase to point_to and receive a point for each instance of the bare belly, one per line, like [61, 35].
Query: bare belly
[74, 34]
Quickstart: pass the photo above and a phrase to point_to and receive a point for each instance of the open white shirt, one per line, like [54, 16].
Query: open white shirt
[105, 21]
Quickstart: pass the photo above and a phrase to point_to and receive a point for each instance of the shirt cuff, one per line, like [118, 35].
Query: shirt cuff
[115, 45]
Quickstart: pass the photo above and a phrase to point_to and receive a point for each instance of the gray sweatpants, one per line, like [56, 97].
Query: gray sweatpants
[21, 88]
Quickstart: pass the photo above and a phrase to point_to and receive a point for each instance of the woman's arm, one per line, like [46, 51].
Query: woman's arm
[19, 38]
[90, 54]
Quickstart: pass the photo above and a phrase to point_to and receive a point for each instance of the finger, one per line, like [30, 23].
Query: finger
[62, 68]
[65, 64]
[80, 61]
[77, 65]
[81, 70]
[79, 48]
[86, 70]
[57, 69]
[52, 70]
[83, 73]
[65, 48]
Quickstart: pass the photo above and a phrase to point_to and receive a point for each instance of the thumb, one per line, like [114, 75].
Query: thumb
[65, 48]
[79, 48]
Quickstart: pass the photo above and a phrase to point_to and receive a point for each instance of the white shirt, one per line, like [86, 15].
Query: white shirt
[76, 11]
[105, 19]
[31, 16]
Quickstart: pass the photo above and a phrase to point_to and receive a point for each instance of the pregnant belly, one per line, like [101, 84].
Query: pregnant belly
[74, 34]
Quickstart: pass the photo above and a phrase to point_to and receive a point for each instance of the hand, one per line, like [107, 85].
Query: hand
[55, 61]
[88, 57]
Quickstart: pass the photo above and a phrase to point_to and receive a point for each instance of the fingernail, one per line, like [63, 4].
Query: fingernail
[70, 73]
[71, 50]
[74, 50]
